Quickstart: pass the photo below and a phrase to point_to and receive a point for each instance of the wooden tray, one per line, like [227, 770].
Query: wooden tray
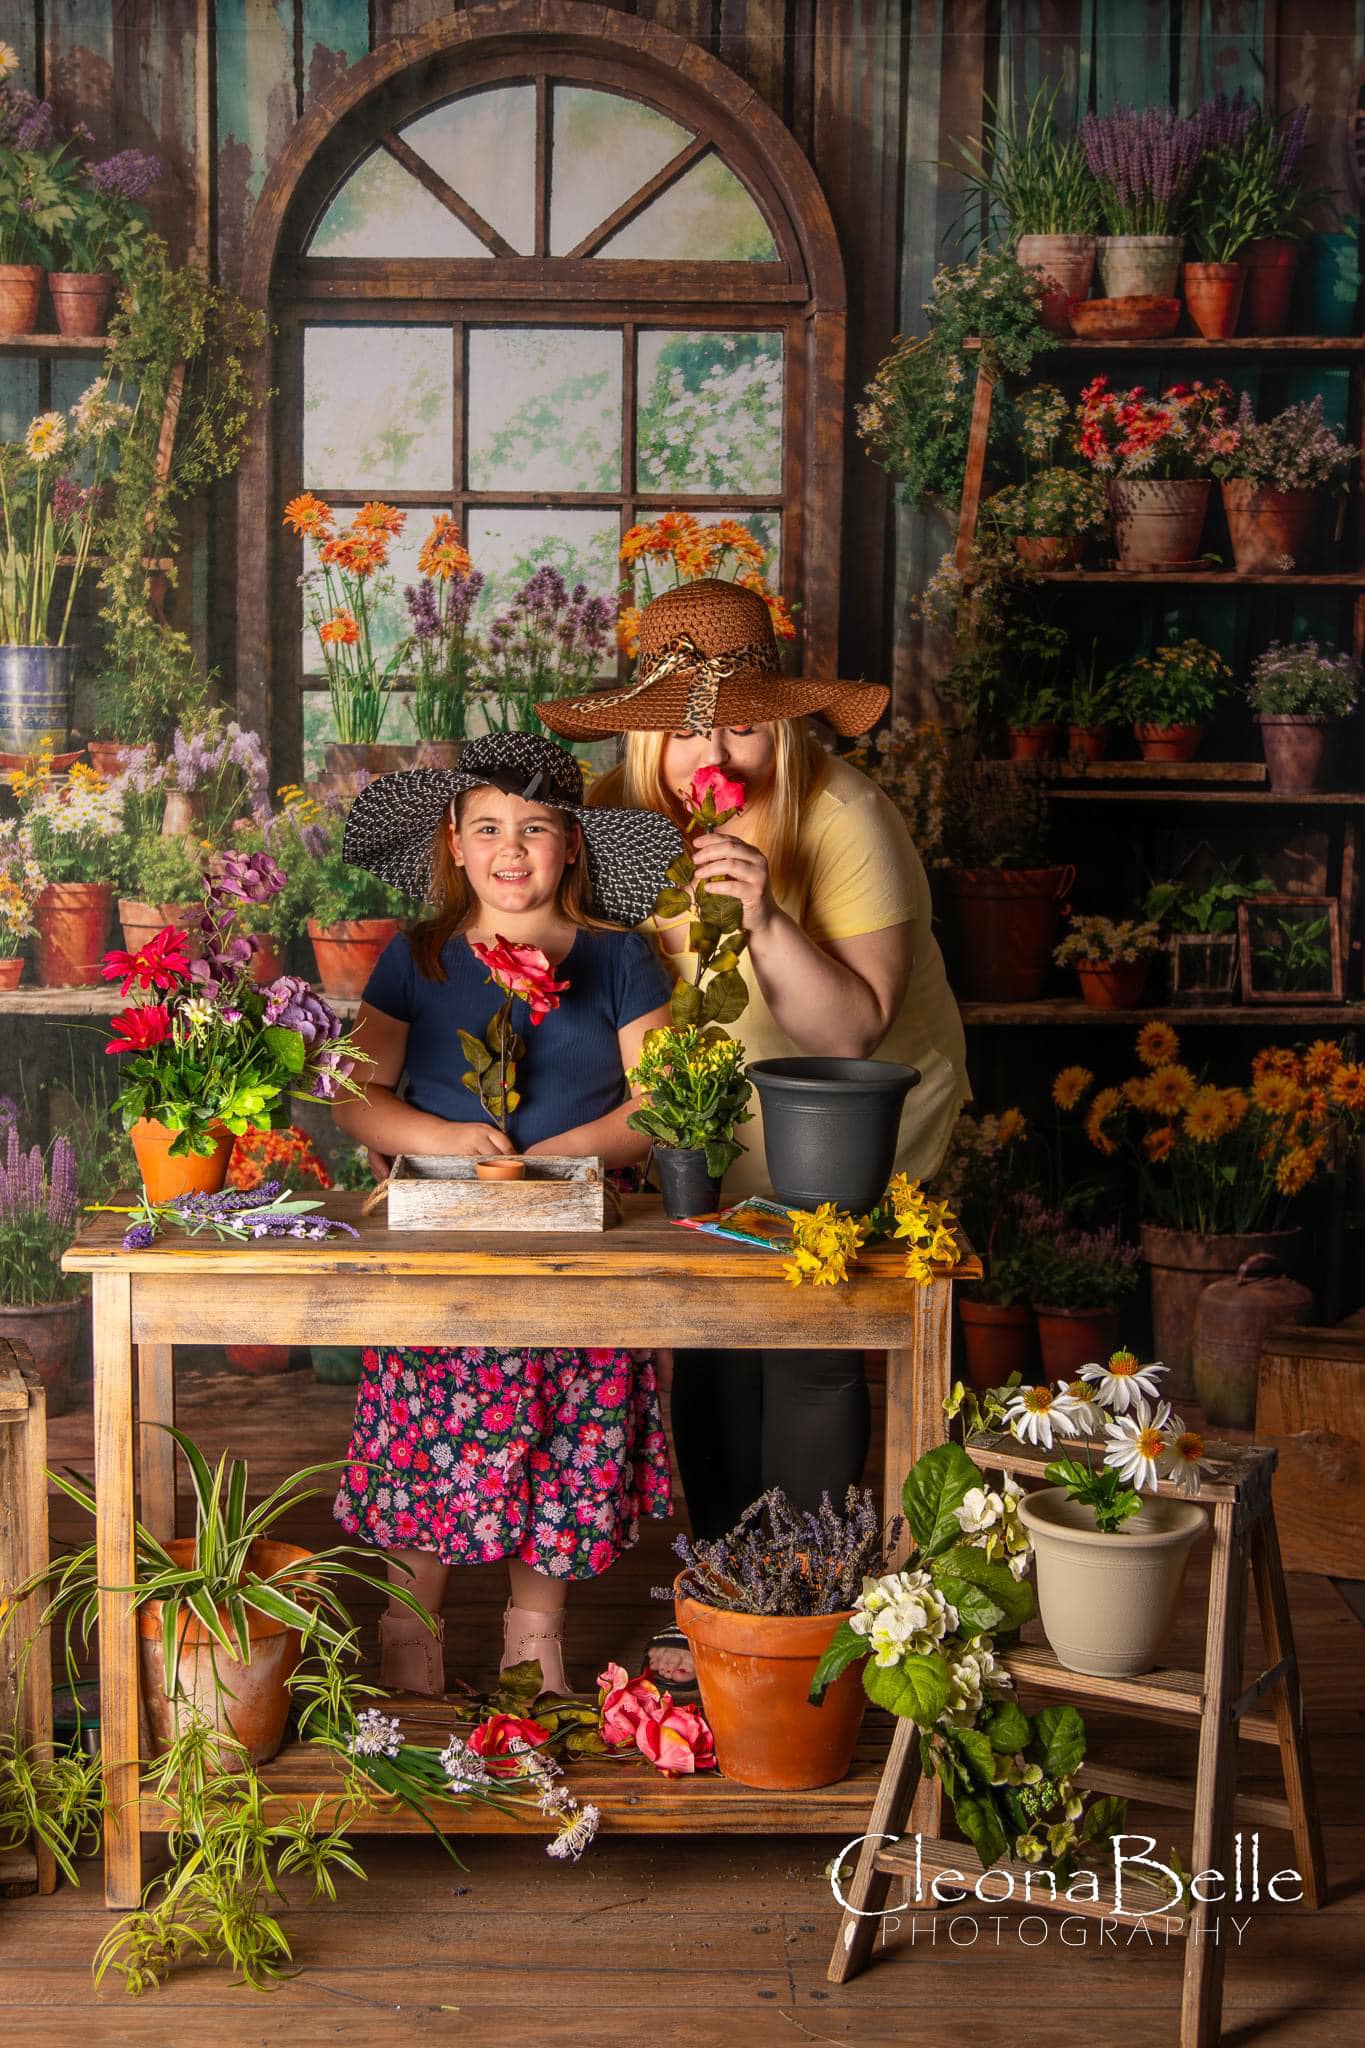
[431, 1192]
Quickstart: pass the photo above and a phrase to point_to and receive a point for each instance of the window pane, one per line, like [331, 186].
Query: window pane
[710, 411]
[510, 543]
[376, 408]
[484, 145]
[388, 615]
[707, 217]
[605, 148]
[544, 409]
[381, 210]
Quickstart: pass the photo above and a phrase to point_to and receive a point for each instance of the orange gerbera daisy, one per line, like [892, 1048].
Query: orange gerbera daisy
[784, 625]
[628, 629]
[1101, 1109]
[1236, 1103]
[1157, 1144]
[340, 630]
[1170, 1088]
[1295, 1170]
[356, 554]
[1276, 1094]
[1321, 1060]
[1157, 1044]
[1276, 1059]
[1009, 1126]
[1206, 1118]
[1070, 1085]
[443, 552]
[1347, 1086]
[1137, 1090]
[308, 515]
[377, 517]
[728, 537]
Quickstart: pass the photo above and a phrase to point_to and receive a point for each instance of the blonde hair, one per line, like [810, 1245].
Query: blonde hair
[773, 821]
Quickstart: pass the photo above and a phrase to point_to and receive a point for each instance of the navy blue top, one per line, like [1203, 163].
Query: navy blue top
[572, 1071]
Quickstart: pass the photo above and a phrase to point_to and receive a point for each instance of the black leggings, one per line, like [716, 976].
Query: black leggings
[744, 1421]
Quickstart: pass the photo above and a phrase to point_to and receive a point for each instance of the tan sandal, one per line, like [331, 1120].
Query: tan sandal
[528, 1634]
[411, 1658]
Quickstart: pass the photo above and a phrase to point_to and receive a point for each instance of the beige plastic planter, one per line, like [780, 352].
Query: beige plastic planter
[1107, 1602]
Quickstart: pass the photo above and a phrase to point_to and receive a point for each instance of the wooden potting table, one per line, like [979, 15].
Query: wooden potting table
[645, 1282]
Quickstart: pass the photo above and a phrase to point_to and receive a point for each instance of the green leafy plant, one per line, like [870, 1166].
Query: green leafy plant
[717, 993]
[38, 1207]
[1093, 701]
[1304, 681]
[108, 226]
[1208, 907]
[55, 1798]
[1292, 952]
[1025, 178]
[1055, 504]
[1071, 1268]
[160, 867]
[305, 837]
[35, 203]
[1295, 450]
[1178, 685]
[1105, 1492]
[694, 1092]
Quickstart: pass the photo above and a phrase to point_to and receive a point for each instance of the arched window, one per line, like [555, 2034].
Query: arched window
[555, 284]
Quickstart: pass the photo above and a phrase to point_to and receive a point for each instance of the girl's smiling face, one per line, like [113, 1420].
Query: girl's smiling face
[746, 752]
[512, 852]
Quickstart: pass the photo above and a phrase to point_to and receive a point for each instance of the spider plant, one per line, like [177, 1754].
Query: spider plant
[1023, 177]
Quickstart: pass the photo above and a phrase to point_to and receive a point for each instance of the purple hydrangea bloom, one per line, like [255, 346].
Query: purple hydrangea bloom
[329, 1071]
[130, 174]
[245, 878]
[292, 1003]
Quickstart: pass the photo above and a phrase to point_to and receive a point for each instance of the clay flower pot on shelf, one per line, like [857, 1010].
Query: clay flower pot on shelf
[1066, 264]
[1069, 1338]
[80, 300]
[754, 1673]
[189, 1173]
[687, 1187]
[1271, 532]
[1006, 921]
[1112, 984]
[997, 1341]
[1034, 742]
[11, 970]
[1140, 316]
[262, 1360]
[1049, 550]
[72, 920]
[1140, 266]
[1087, 742]
[267, 960]
[1213, 293]
[1296, 750]
[1168, 742]
[346, 953]
[1107, 1600]
[1180, 1265]
[52, 1331]
[21, 287]
[1271, 268]
[500, 1166]
[1158, 522]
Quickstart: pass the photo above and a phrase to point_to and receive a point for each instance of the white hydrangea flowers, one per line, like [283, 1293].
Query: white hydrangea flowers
[992, 1520]
[902, 1614]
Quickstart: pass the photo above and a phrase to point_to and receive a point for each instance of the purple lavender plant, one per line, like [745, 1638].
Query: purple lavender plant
[1144, 163]
[781, 1559]
[128, 175]
[38, 1206]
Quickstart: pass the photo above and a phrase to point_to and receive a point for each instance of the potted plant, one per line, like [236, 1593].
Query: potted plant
[350, 915]
[982, 1180]
[34, 202]
[1272, 161]
[1200, 920]
[72, 823]
[215, 773]
[40, 1306]
[1170, 695]
[1143, 165]
[1155, 455]
[158, 873]
[1040, 197]
[758, 1607]
[344, 589]
[1275, 474]
[1298, 694]
[102, 239]
[1034, 731]
[1005, 900]
[449, 686]
[1092, 710]
[553, 641]
[1078, 1281]
[1111, 960]
[1223, 218]
[21, 884]
[1220, 1169]
[692, 1093]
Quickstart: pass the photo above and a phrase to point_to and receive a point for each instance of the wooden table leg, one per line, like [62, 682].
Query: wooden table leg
[918, 1382]
[112, 1305]
[1286, 1701]
[155, 1449]
[866, 1894]
[1215, 1783]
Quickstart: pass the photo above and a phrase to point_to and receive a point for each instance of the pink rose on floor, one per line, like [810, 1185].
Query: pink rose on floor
[624, 1702]
[727, 795]
[503, 1739]
[677, 1741]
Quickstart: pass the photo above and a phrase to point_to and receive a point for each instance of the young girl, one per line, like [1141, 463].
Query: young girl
[465, 1455]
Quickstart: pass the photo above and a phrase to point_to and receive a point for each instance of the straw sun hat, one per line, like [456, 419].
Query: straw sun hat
[708, 656]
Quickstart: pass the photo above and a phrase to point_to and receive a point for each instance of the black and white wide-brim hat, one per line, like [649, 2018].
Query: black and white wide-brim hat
[394, 820]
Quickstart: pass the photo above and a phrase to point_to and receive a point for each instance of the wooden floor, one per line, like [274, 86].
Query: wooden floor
[695, 1940]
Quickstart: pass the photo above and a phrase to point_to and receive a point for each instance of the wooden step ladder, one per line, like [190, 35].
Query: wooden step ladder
[1213, 1702]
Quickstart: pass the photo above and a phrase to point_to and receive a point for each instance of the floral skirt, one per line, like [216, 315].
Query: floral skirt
[476, 1455]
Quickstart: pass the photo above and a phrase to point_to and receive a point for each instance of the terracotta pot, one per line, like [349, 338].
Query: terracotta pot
[1066, 264]
[349, 766]
[1271, 268]
[191, 1173]
[1048, 550]
[73, 925]
[1180, 1265]
[1213, 293]
[1107, 1601]
[80, 299]
[1006, 922]
[1033, 742]
[346, 953]
[51, 1331]
[1143, 316]
[754, 1672]
[439, 753]
[1140, 266]
[1296, 750]
[181, 815]
[142, 921]
[21, 287]
[11, 970]
[267, 961]
[1229, 1323]
[1087, 742]
[262, 1359]
[1072, 1337]
[251, 1701]
[1157, 523]
[111, 758]
[1271, 531]
[1168, 742]
[997, 1341]
[500, 1167]
[1112, 984]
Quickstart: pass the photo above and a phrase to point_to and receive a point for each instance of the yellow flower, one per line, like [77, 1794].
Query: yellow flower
[929, 1225]
[9, 62]
[628, 629]
[1137, 1091]
[824, 1245]
[1010, 1126]
[1321, 1060]
[1347, 1086]
[46, 437]
[1276, 1059]
[1275, 1094]
[1157, 1044]
[1170, 1088]
[1236, 1103]
[1070, 1085]
[1206, 1118]
[1295, 1170]
[1157, 1143]
[1101, 1109]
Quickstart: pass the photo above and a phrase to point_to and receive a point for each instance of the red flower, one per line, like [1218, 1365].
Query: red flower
[726, 794]
[677, 1741]
[141, 1028]
[161, 963]
[503, 1739]
[521, 971]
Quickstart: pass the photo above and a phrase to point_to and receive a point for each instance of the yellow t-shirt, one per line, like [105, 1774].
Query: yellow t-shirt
[862, 874]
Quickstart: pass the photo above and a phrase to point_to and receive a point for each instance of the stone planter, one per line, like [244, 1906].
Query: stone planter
[73, 928]
[1213, 293]
[1158, 523]
[80, 300]
[1271, 531]
[1296, 751]
[1140, 266]
[346, 953]
[1107, 1601]
[52, 1331]
[1180, 1265]
[1066, 264]
[1271, 268]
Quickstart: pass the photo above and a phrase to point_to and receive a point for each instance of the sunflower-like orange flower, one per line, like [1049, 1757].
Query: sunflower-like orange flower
[628, 629]
[377, 517]
[1101, 1109]
[1009, 1126]
[355, 553]
[671, 538]
[1276, 1094]
[443, 552]
[1070, 1085]
[1277, 1059]
[1205, 1119]
[1321, 1060]
[1170, 1088]
[1157, 1044]
[728, 537]
[1236, 1103]
[1157, 1143]
[1347, 1086]
[340, 630]
[1296, 1169]
[1137, 1091]
[309, 516]
[784, 625]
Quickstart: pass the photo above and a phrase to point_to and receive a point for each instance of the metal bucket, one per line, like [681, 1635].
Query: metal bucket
[35, 697]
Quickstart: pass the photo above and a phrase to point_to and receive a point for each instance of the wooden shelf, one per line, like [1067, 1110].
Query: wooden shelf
[1082, 790]
[1065, 1011]
[1251, 345]
[1212, 579]
[1156, 771]
[55, 344]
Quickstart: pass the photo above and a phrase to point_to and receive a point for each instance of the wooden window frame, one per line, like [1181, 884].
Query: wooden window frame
[800, 296]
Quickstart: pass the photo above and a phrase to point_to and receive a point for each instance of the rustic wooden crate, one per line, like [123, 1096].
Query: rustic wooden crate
[26, 1710]
[430, 1192]
[1310, 1404]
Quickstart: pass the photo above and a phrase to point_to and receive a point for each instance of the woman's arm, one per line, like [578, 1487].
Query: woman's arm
[609, 1137]
[840, 998]
[381, 1120]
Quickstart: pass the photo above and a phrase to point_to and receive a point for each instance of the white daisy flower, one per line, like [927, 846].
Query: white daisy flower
[1184, 1457]
[465, 1771]
[1089, 1415]
[1033, 1413]
[1137, 1443]
[1123, 1381]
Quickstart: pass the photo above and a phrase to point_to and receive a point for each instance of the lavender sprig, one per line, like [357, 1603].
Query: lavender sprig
[236, 1214]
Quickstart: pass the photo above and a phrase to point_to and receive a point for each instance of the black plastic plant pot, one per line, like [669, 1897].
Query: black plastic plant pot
[687, 1188]
[830, 1127]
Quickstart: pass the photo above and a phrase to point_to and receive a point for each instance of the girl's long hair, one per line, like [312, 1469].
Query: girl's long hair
[773, 821]
[456, 905]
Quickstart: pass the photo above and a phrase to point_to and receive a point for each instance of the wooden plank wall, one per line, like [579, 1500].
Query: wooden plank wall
[874, 91]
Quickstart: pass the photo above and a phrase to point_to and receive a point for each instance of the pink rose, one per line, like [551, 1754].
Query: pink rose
[521, 971]
[623, 1703]
[727, 795]
[677, 1741]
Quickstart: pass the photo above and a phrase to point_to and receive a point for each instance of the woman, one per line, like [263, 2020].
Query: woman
[841, 960]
